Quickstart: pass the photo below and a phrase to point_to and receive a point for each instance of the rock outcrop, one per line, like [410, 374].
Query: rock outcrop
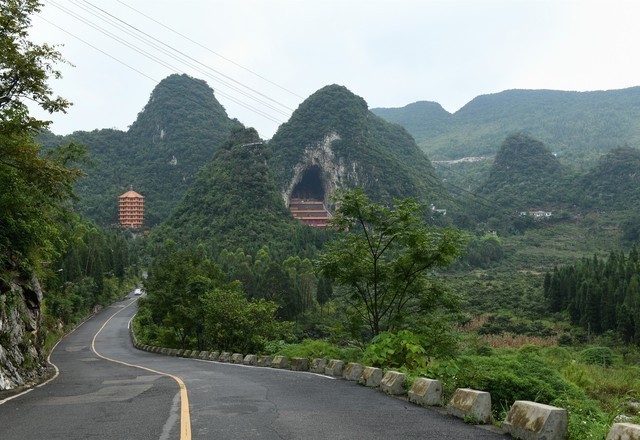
[22, 357]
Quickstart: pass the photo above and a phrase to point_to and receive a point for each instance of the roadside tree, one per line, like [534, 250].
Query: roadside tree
[384, 256]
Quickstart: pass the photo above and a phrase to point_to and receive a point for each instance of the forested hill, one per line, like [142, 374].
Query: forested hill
[234, 204]
[525, 175]
[578, 126]
[333, 131]
[614, 182]
[176, 132]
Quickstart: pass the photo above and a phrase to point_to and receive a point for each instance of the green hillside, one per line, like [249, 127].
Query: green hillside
[578, 126]
[614, 182]
[176, 132]
[525, 175]
[334, 136]
[234, 204]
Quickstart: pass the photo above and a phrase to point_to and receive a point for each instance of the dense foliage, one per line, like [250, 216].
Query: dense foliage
[234, 204]
[191, 304]
[614, 182]
[599, 295]
[383, 256]
[78, 265]
[34, 186]
[96, 267]
[176, 132]
[525, 175]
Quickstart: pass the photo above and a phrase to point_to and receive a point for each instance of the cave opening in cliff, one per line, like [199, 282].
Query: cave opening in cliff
[310, 185]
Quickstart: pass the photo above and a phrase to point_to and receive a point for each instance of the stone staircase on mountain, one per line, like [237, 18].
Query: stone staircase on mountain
[311, 212]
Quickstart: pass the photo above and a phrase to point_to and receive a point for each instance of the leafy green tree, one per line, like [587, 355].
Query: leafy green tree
[178, 279]
[324, 291]
[33, 185]
[383, 256]
[235, 323]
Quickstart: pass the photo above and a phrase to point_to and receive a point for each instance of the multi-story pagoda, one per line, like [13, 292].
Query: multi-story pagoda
[131, 206]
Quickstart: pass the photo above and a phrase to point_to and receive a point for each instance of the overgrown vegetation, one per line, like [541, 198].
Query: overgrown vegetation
[42, 241]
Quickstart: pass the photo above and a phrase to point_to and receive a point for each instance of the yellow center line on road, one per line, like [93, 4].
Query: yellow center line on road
[185, 416]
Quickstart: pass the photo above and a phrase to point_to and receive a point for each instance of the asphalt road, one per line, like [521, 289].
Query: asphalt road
[97, 396]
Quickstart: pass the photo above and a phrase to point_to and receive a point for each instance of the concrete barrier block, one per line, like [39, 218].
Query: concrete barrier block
[352, 371]
[318, 365]
[180, 353]
[265, 361]
[334, 368]
[237, 358]
[204, 355]
[187, 353]
[225, 356]
[164, 351]
[393, 383]
[426, 392]
[300, 364]
[371, 377]
[214, 355]
[535, 421]
[250, 359]
[280, 362]
[624, 431]
[468, 403]
[173, 352]
[195, 354]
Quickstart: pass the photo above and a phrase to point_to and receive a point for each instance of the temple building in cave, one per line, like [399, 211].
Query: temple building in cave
[308, 199]
[131, 209]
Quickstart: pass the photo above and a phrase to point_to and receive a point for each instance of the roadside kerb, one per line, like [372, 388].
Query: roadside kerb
[624, 431]
[318, 365]
[281, 362]
[250, 359]
[426, 392]
[299, 364]
[526, 420]
[393, 383]
[334, 368]
[352, 371]
[371, 377]
[265, 361]
[472, 405]
[535, 421]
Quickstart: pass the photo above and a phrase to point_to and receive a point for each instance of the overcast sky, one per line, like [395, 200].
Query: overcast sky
[272, 54]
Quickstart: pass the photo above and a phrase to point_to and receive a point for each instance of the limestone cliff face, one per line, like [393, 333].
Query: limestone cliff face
[321, 156]
[22, 357]
[333, 141]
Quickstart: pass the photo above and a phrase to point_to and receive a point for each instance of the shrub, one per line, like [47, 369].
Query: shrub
[311, 349]
[395, 350]
[597, 356]
[514, 376]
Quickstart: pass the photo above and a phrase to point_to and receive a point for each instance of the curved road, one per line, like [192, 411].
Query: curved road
[97, 396]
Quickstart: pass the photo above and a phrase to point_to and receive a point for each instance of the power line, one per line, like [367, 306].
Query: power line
[154, 58]
[181, 53]
[211, 51]
[96, 48]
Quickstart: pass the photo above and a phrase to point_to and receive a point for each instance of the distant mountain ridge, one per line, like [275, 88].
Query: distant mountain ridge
[577, 126]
